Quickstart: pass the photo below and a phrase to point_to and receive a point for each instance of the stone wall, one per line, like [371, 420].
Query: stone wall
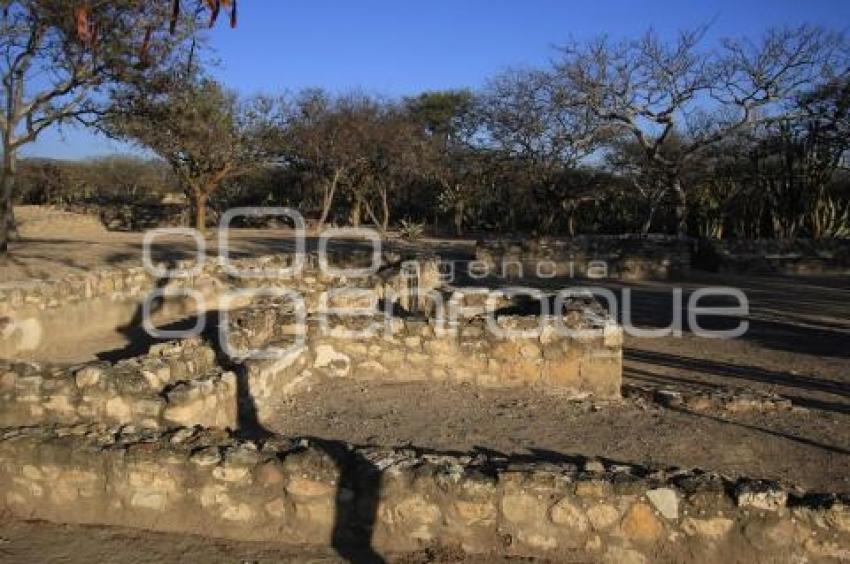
[794, 257]
[580, 356]
[626, 257]
[37, 221]
[34, 315]
[175, 384]
[133, 283]
[383, 500]
[181, 383]
[136, 216]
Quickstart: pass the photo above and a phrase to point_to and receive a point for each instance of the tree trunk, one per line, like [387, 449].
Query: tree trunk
[459, 219]
[328, 200]
[356, 215]
[647, 225]
[371, 213]
[385, 205]
[681, 209]
[7, 211]
[201, 198]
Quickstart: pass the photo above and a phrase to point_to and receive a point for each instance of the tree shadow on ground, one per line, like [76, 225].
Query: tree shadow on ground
[739, 372]
[793, 438]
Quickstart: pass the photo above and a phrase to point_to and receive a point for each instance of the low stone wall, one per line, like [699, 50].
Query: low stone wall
[579, 356]
[626, 257]
[134, 216]
[133, 283]
[37, 221]
[34, 315]
[578, 353]
[729, 400]
[383, 500]
[794, 257]
[175, 384]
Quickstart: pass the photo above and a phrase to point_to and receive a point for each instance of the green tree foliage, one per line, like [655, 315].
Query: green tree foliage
[205, 133]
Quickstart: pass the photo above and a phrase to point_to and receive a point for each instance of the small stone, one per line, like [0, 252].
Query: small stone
[276, 508]
[305, 487]
[520, 508]
[602, 516]
[593, 488]
[839, 517]
[620, 555]
[206, 457]
[641, 524]
[118, 409]
[88, 376]
[529, 350]
[32, 473]
[566, 513]
[239, 512]
[229, 473]
[149, 500]
[665, 501]
[337, 363]
[181, 436]
[471, 512]
[416, 509]
[538, 541]
[269, 474]
[763, 495]
[594, 467]
[413, 342]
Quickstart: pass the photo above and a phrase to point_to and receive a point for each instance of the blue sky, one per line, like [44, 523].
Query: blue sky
[398, 47]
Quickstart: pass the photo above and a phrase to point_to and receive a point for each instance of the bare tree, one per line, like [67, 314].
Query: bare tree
[650, 89]
[530, 119]
[328, 138]
[396, 151]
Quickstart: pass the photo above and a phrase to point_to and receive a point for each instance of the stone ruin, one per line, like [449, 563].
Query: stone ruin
[400, 336]
[169, 440]
[623, 257]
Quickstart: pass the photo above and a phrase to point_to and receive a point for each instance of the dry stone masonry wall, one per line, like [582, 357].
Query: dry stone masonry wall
[155, 441]
[36, 315]
[577, 354]
[626, 257]
[794, 257]
[175, 384]
[318, 493]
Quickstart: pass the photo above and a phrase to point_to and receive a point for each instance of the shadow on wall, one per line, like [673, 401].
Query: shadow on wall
[357, 494]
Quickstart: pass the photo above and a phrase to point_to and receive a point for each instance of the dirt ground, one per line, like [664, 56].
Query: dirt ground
[50, 543]
[797, 345]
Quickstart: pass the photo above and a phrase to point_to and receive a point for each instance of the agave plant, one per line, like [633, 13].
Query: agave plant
[830, 218]
[411, 230]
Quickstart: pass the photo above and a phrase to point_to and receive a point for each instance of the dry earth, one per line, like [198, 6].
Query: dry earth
[798, 346]
[50, 543]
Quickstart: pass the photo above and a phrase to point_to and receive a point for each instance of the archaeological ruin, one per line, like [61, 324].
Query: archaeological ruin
[174, 438]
